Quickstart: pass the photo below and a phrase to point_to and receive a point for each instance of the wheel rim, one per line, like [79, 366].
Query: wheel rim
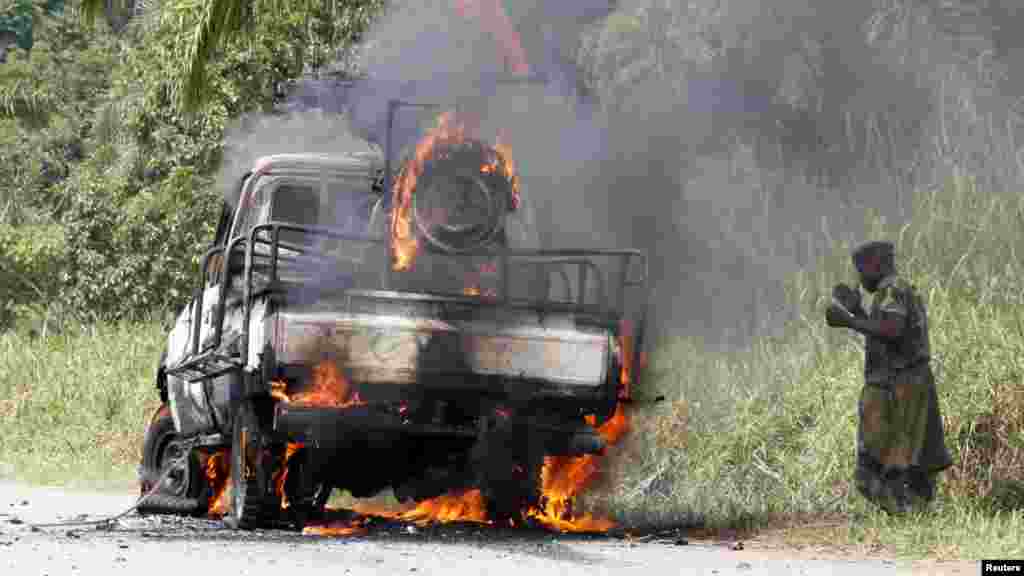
[174, 467]
[472, 220]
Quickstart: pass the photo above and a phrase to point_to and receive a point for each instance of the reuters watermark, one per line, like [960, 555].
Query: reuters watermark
[1002, 567]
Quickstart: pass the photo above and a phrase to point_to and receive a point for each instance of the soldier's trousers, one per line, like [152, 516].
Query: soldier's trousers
[900, 445]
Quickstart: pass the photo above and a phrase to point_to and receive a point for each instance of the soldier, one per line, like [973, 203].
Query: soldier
[900, 444]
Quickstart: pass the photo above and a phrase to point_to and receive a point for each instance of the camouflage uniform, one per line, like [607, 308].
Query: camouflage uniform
[900, 441]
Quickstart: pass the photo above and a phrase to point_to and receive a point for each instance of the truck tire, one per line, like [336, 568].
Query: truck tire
[510, 464]
[307, 503]
[163, 448]
[253, 502]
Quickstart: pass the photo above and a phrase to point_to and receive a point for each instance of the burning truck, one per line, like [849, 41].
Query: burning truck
[363, 330]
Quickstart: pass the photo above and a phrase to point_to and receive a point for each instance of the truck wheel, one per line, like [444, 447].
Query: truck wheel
[511, 475]
[164, 451]
[307, 502]
[253, 503]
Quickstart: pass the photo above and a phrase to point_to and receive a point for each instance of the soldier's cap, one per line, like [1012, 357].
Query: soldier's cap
[884, 250]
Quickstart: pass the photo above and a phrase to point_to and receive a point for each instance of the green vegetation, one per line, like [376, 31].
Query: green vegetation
[75, 405]
[107, 192]
[766, 436]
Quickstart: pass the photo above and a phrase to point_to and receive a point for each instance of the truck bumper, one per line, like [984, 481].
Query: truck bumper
[325, 426]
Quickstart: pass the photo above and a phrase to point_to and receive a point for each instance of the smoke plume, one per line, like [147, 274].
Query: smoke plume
[731, 140]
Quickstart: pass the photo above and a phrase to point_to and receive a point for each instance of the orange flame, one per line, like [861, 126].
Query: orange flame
[218, 474]
[404, 244]
[563, 478]
[465, 506]
[503, 157]
[626, 346]
[352, 527]
[450, 131]
[281, 474]
[329, 388]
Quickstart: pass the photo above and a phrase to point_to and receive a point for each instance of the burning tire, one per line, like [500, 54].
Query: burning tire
[183, 489]
[253, 502]
[307, 495]
[455, 206]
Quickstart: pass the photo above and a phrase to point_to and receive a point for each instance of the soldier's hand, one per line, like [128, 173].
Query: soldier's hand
[848, 297]
[837, 316]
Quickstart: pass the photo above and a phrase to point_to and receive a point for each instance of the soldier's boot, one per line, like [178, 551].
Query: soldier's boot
[901, 497]
[922, 485]
[871, 482]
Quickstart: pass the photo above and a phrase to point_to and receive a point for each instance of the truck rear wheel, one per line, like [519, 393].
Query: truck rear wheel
[307, 496]
[511, 493]
[509, 462]
[253, 502]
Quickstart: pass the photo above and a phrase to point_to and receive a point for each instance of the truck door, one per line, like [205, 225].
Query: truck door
[190, 401]
[225, 272]
[215, 273]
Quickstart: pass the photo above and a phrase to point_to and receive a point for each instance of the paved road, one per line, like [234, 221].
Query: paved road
[153, 546]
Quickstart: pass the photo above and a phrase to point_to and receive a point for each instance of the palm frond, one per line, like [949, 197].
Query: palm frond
[218, 21]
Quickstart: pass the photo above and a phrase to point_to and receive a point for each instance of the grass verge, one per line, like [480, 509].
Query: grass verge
[74, 405]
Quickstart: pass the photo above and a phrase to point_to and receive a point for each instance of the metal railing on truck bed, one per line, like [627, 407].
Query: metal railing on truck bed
[593, 295]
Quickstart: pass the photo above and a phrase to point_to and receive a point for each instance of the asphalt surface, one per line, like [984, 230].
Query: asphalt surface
[168, 545]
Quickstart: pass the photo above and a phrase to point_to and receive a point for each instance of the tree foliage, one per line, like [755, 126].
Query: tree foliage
[107, 195]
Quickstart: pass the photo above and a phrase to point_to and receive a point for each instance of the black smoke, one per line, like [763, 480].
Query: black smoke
[732, 140]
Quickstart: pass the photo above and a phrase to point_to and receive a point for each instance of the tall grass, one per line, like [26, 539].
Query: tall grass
[767, 434]
[74, 404]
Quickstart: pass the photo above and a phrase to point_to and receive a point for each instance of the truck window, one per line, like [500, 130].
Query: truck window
[297, 203]
[338, 204]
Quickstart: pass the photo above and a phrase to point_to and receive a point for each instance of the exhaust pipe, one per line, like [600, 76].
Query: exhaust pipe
[586, 442]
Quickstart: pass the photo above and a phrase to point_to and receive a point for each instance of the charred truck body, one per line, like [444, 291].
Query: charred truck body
[361, 330]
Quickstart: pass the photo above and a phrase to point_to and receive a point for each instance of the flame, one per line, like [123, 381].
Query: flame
[218, 474]
[450, 131]
[329, 388]
[503, 157]
[465, 506]
[626, 345]
[563, 478]
[404, 244]
[352, 527]
[279, 390]
[468, 506]
[281, 474]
